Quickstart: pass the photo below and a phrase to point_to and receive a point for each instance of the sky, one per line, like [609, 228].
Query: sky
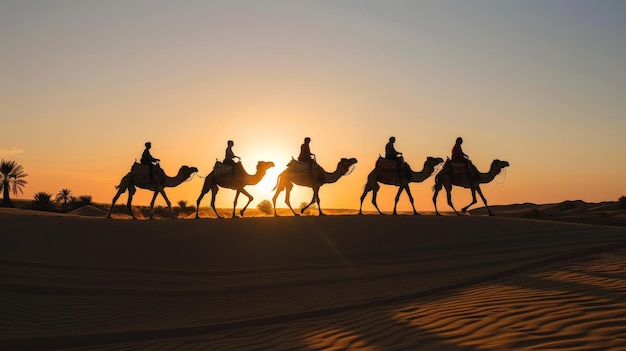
[539, 84]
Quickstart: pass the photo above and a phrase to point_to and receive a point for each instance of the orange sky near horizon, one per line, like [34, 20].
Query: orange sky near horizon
[537, 84]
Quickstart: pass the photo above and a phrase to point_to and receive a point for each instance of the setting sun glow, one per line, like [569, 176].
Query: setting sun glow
[538, 85]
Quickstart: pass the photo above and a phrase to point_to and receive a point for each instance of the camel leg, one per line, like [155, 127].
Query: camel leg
[235, 202]
[408, 192]
[464, 209]
[395, 204]
[156, 193]
[250, 198]
[117, 196]
[480, 192]
[278, 190]
[206, 187]
[288, 188]
[198, 202]
[214, 189]
[365, 191]
[167, 201]
[436, 190]
[374, 197]
[449, 196]
[131, 192]
[309, 204]
[316, 196]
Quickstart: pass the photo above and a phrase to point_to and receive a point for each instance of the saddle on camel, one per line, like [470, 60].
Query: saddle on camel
[460, 169]
[221, 168]
[155, 172]
[312, 169]
[388, 165]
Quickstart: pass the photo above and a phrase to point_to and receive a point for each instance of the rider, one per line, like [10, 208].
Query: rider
[229, 158]
[392, 154]
[306, 155]
[147, 159]
[230, 155]
[458, 156]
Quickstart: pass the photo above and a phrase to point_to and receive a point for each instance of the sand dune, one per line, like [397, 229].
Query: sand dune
[310, 283]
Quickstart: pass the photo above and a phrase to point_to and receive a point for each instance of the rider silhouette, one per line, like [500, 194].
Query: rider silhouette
[147, 159]
[306, 155]
[392, 154]
[458, 156]
[229, 158]
[230, 155]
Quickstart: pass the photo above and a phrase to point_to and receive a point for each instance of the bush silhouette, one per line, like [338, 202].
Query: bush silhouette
[265, 206]
[42, 201]
[622, 202]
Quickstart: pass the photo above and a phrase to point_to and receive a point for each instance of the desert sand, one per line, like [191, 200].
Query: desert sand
[70, 281]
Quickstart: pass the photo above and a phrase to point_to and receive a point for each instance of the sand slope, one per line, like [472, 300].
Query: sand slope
[337, 282]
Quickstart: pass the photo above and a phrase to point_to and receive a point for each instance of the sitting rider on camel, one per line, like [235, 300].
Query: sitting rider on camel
[147, 159]
[306, 155]
[392, 154]
[229, 158]
[459, 157]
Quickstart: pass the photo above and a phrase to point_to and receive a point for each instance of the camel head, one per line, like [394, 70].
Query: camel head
[498, 165]
[345, 164]
[262, 165]
[434, 161]
[187, 171]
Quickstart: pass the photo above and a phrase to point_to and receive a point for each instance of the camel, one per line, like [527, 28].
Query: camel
[137, 178]
[446, 178]
[390, 177]
[236, 181]
[319, 177]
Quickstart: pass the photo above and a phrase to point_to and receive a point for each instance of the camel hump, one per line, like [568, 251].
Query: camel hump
[300, 166]
[139, 169]
[386, 164]
[221, 168]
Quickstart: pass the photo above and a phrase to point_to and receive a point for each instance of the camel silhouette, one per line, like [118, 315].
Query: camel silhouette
[139, 177]
[236, 181]
[447, 178]
[315, 179]
[389, 176]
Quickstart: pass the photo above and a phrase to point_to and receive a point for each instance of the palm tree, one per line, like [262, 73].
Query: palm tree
[12, 176]
[42, 201]
[64, 195]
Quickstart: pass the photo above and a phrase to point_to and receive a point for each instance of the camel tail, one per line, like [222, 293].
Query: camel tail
[277, 182]
[437, 185]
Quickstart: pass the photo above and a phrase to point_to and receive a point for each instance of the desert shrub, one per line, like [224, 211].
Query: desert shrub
[622, 202]
[42, 201]
[303, 205]
[265, 206]
[77, 202]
